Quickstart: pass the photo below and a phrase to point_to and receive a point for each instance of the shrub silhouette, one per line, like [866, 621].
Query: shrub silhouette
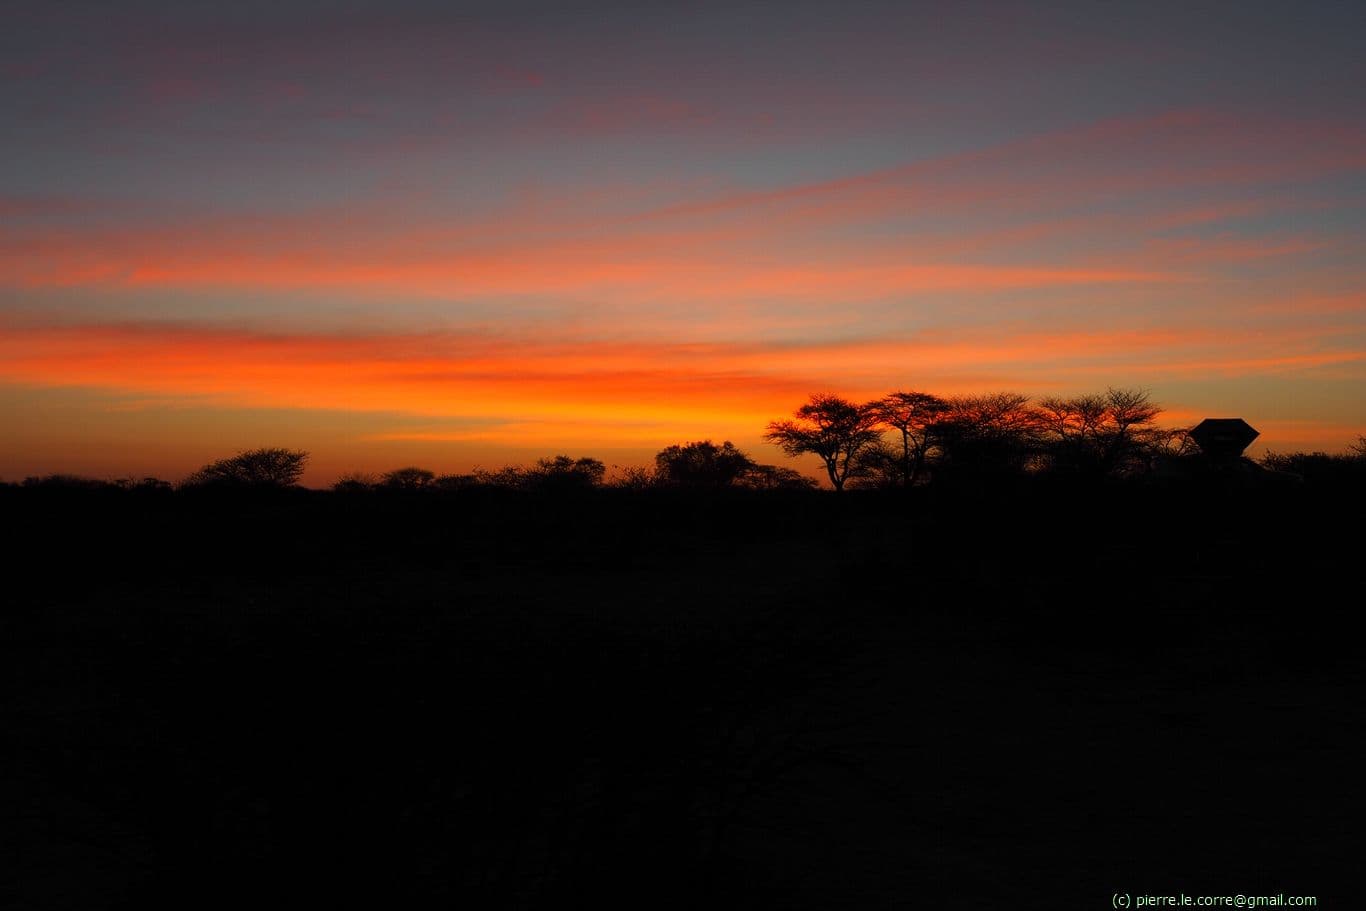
[257, 468]
[565, 473]
[705, 465]
[143, 484]
[559, 473]
[634, 477]
[65, 482]
[410, 478]
[355, 482]
[702, 464]
[774, 477]
[1320, 467]
[454, 482]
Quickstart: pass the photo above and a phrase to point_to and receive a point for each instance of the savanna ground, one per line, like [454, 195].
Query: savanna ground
[1030, 697]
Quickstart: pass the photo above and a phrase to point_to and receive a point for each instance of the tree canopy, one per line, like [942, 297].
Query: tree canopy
[410, 478]
[702, 464]
[269, 467]
[835, 429]
[559, 473]
[913, 416]
[1102, 434]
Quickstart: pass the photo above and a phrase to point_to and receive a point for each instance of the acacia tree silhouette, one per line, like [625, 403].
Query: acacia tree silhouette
[995, 434]
[1101, 434]
[912, 414]
[833, 428]
[267, 467]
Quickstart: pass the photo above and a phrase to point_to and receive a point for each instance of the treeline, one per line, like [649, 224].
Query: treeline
[701, 464]
[902, 440]
[906, 438]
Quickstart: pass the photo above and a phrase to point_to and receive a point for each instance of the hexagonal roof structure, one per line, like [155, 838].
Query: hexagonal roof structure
[1223, 438]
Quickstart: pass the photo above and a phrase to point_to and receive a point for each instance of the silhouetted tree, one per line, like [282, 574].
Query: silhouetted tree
[509, 476]
[830, 427]
[633, 477]
[1131, 435]
[1101, 434]
[144, 484]
[913, 415]
[1358, 449]
[1319, 467]
[774, 477]
[355, 482]
[268, 467]
[985, 435]
[562, 473]
[65, 482]
[880, 466]
[1175, 443]
[455, 482]
[410, 478]
[702, 464]
[556, 474]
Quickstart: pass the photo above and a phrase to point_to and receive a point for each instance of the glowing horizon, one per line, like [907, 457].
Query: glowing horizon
[400, 235]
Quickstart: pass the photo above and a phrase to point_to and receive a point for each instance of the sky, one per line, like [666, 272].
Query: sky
[466, 235]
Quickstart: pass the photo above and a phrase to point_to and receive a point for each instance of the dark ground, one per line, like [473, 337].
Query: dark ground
[1030, 699]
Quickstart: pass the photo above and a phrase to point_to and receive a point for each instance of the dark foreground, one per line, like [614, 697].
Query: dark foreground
[1032, 699]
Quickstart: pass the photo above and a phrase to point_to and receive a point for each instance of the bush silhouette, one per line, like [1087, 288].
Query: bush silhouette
[355, 482]
[559, 473]
[1319, 467]
[565, 473]
[256, 468]
[702, 464]
[774, 477]
[409, 478]
[65, 482]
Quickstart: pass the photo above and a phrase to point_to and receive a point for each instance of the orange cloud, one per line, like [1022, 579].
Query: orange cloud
[652, 382]
[699, 266]
[775, 244]
[495, 398]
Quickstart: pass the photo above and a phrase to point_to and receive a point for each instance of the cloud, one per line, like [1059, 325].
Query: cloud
[453, 399]
[1075, 207]
[609, 383]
